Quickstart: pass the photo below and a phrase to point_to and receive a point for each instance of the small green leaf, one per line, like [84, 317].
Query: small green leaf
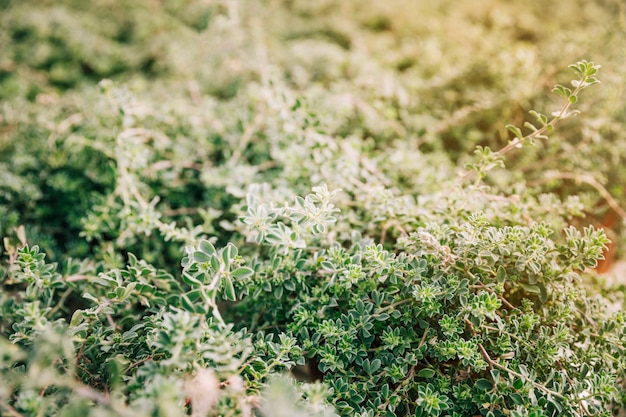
[232, 251]
[186, 303]
[229, 289]
[382, 317]
[215, 263]
[530, 288]
[541, 118]
[426, 373]
[119, 293]
[90, 297]
[207, 247]
[530, 126]
[201, 257]
[376, 363]
[242, 272]
[562, 91]
[278, 291]
[194, 295]
[328, 266]
[129, 289]
[483, 384]
[501, 275]
[191, 280]
[77, 318]
[516, 131]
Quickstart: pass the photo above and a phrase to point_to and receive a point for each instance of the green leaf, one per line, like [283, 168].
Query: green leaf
[541, 118]
[186, 303]
[129, 289]
[229, 289]
[194, 295]
[242, 272]
[382, 317]
[516, 399]
[376, 363]
[119, 293]
[516, 131]
[530, 288]
[191, 280]
[278, 291]
[501, 275]
[77, 318]
[215, 263]
[231, 251]
[201, 257]
[426, 373]
[483, 384]
[90, 297]
[562, 91]
[530, 126]
[207, 247]
[328, 266]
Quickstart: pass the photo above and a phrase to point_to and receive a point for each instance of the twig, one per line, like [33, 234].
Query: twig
[245, 138]
[505, 302]
[139, 362]
[399, 387]
[182, 211]
[60, 303]
[423, 339]
[12, 411]
[587, 179]
[493, 364]
[517, 142]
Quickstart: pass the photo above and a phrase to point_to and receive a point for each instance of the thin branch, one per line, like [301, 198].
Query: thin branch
[493, 364]
[587, 179]
[12, 411]
[246, 137]
[518, 142]
[60, 303]
[182, 211]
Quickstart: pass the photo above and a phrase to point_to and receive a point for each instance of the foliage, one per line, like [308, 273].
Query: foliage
[297, 196]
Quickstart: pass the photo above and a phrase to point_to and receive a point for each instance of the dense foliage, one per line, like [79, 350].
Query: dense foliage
[295, 208]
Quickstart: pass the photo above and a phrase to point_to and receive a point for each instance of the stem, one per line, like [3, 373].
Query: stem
[423, 339]
[535, 384]
[517, 142]
[60, 303]
[480, 285]
[392, 306]
[244, 140]
[493, 364]
[399, 387]
[12, 411]
[588, 179]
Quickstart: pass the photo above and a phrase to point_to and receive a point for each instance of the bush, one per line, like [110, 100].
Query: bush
[301, 213]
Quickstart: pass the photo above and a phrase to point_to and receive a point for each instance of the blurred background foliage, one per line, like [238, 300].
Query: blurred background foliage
[414, 85]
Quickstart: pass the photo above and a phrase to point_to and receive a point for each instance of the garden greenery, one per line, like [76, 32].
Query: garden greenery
[287, 231]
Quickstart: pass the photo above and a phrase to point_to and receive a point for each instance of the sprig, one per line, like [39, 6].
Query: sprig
[487, 159]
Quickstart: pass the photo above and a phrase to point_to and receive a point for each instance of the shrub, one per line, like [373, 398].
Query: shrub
[302, 213]
[470, 308]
